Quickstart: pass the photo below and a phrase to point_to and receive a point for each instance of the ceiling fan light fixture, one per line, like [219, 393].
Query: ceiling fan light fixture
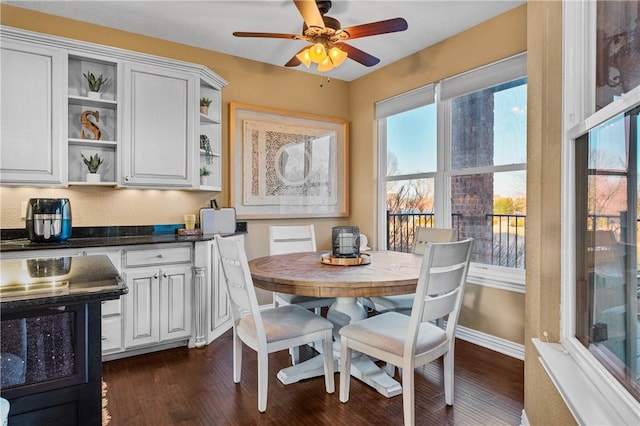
[317, 53]
[304, 57]
[326, 64]
[337, 55]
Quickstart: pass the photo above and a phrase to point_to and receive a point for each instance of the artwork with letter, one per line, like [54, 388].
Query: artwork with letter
[291, 165]
[90, 126]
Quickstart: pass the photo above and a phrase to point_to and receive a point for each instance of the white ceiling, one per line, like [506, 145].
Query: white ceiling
[209, 24]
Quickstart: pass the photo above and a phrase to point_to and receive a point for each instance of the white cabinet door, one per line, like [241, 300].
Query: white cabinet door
[32, 134]
[159, 126]
[142, 313]
[175, 302]
[218, 311]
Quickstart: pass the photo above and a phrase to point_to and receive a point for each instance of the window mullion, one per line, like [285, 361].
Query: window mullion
[443, 180]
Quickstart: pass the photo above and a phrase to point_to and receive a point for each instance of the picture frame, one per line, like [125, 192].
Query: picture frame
[285, 164]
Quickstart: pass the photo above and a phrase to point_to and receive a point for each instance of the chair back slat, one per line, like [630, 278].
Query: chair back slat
[291, 239]
[444, 281]
[424, 235]
[436, 307]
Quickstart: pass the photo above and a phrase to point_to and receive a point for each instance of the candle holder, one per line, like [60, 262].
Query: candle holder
[345, 241]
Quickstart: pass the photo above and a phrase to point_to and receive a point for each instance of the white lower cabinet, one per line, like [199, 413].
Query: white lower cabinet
[158, 305]
[218, 312]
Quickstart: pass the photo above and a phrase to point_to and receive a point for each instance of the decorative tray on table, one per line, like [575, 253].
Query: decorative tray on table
[330, 259]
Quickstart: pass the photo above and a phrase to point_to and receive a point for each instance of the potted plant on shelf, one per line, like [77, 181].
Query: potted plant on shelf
[204, 105]
[95, 84]
[204, 172]
[205, 145]
[93, 164]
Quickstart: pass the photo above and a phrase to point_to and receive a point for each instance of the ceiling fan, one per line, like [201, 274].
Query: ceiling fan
[328, 49]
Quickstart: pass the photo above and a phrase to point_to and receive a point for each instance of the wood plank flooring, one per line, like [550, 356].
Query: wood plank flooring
[195, 387]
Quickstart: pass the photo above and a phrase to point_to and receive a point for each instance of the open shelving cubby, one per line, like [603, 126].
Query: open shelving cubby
[100, 112]
[210, 126]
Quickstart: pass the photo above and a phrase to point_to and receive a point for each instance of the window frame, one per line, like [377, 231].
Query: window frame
[604, 393]
[490, 75]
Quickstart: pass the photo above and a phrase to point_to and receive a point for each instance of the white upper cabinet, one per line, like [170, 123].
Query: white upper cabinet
[159, 123]
[32, 127]
[147, 114]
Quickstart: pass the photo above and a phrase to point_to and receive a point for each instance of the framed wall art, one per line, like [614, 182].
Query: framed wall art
[285, 164]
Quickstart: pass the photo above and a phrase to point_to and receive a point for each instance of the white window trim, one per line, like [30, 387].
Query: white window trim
[591, 393]
[509, 69]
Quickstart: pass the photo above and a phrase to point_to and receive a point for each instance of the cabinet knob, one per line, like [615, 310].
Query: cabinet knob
[160, 256]
[126, 178]
[104, 337]
[165, 275]
[155, 276]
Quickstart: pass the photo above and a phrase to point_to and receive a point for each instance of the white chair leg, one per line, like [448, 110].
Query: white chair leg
[448, 377]
[237, 357]
[317, 310]
[408, 396]
[263, 374]
[345, 369]
[329, 380]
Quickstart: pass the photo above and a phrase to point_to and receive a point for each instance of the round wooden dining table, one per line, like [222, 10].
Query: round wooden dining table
[385, 273]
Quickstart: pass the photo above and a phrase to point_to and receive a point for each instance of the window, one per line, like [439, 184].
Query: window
[599, 315]
[472, 177]
[607, 279]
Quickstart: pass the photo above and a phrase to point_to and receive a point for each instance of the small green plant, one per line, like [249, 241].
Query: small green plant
[95, 83]
[204, 171]
[205, 102]
[93, 163]
[205, 144]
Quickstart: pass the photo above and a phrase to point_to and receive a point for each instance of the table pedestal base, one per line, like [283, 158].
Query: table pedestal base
[344, 311]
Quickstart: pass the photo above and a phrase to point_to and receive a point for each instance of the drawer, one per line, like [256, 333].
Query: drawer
[111, 307]
[112, 334]
[157, 256]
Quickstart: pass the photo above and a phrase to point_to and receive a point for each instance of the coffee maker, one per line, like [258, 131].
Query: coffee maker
[48, 219]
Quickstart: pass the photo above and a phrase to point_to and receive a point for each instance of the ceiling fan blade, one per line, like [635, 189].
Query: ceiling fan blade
[375, 28]
[358, 55]
[310, 13]
[269, 35]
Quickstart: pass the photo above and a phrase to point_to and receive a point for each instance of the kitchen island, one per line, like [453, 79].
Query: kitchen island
[50, 317]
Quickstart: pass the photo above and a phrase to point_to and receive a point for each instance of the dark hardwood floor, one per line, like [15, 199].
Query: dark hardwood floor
[195, 387]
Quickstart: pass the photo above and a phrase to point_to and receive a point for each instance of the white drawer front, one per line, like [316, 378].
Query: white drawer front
[159, 256]
[111, 307]
[112, 334]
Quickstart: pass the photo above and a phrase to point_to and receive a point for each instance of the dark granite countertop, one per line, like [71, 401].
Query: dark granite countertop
[82, 237]
[40, 282]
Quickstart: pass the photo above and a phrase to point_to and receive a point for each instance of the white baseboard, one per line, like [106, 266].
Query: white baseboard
[488, 341]
[524, 421]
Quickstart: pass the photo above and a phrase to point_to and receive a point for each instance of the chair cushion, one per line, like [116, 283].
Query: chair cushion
[285, 322]
[388, 332]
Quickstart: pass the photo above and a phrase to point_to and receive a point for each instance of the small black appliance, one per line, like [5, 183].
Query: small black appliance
[48, 219]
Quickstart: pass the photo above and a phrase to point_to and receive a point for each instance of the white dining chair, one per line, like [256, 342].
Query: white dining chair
[269, 330]
[403, 302]
[412, 341]
[295, 239]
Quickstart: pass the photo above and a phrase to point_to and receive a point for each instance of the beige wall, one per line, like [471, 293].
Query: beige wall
[543, 404]
[535, 27]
